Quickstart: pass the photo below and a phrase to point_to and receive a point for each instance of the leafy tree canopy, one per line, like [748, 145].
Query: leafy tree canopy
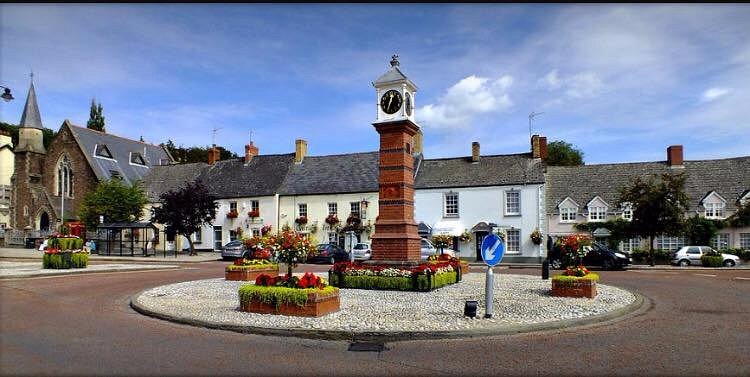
[741, 218]
[185, 210]
[658, 203]
[560, 153]
[186, 155]
[115, 200]
[700, 230]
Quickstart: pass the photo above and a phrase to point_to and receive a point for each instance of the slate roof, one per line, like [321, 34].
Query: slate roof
[728, 177]
[493, 170]
[31, 117]
[120, 148]
[393, 75]
[343, 173]
[171, 177]
[261, 177]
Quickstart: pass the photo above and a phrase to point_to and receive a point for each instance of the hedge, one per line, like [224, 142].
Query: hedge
[280, 295]
[712, 261]
[660, 256]
[233, 267]
[423, 283]
[565, 279]
[65, 260]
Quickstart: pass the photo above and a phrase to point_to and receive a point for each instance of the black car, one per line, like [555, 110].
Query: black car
[599, 256]
[328, 253]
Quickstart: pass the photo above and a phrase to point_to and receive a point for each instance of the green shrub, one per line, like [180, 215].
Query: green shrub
[79, 260]
[65, 260]
[264, 266]
[743, 254]
[280, 295]
[569, 280]
[661, 256]
[423, 283]
[712, 260]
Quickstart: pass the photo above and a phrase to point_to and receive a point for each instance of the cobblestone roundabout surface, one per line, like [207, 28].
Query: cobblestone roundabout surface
[518, 300]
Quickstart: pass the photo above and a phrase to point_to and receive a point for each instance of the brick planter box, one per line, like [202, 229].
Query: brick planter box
[317, 306]
[250, 274]
[581, 288]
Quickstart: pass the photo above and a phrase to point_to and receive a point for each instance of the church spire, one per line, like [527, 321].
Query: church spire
[31, 117]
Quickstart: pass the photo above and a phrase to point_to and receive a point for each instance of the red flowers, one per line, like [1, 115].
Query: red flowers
[253, 214]
[309, 280]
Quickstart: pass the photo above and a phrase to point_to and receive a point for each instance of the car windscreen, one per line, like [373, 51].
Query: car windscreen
[360, 246]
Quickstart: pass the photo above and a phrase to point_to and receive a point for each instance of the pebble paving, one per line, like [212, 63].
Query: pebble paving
[517, 300]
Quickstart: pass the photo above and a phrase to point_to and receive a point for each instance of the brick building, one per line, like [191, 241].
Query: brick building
[50, 184]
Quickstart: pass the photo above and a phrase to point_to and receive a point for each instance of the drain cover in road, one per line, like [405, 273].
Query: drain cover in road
[366, 347]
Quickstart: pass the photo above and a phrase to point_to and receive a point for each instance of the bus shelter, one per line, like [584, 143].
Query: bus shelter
[125, 239]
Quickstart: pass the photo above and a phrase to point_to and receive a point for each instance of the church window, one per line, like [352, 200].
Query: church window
[137, 159]
[101, 150]
[64, 177]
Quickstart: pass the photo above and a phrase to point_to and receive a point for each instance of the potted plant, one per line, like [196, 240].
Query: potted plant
[302, 220]
[576, 281]
[253, 214]
[232, 214]
[332, 219]
[261, 252]
[442, 241]
[465, 236]
[309, 296]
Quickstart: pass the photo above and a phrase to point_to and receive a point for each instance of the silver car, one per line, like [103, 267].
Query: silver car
[362, 251]
[427, 249]
[234, 249]
[691, 255]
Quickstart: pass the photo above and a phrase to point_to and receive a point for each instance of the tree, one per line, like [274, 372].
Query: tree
[186, 210]
[700, 230]
[560, 153]
[47, 134]
[96, 120]
[741, 218]
[658, 206]
[114, 200]
[188, 155]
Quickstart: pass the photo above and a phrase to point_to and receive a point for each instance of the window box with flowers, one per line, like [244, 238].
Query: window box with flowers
[301, 221]
[232, 214]
[254, 214]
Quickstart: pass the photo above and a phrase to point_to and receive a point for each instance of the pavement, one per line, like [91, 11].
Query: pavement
[14, 270]
[20, 253]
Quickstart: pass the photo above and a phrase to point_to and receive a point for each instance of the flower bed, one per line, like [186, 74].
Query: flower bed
[65, 253]
[425, 277]
[438, 258]
[249, 270]
[309, 296]
[575, 282]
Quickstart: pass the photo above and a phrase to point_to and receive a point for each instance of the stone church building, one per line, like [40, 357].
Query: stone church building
[49, 185]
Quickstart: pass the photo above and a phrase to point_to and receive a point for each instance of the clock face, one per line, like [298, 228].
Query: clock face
[391, 101]
[408, 104]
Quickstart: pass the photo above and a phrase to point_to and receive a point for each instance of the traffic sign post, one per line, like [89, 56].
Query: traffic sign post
[493, 249]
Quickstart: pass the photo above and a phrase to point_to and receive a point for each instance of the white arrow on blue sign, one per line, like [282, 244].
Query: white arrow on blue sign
[493, 249]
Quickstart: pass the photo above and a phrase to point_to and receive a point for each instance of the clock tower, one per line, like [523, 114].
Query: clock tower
[395, 240]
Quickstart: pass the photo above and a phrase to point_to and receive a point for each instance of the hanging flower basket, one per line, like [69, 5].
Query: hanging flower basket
[536, 237]
[232, 214]
[253, 214]
[302, 220]
[332, 220]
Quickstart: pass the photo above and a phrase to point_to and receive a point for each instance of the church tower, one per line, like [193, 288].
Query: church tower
[29, 161]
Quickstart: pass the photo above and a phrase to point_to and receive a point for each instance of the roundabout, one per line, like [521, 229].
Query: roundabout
[521, 304]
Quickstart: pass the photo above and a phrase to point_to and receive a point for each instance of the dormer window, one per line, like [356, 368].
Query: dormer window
[627, 211]
[714, 206]
[101, 150]
[597, 209]
[137, 159]
[568, 211]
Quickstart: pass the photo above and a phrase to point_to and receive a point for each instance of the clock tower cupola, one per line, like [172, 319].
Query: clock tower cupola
[395, 95]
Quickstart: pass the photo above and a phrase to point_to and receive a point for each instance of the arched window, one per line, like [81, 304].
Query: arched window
[64, 177]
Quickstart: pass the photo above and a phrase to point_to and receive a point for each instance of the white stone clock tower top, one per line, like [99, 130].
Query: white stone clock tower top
[395, 95]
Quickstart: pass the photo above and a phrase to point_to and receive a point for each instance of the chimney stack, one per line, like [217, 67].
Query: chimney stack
[300, 150]
[250, 152]
[474, 151]
[539, 147]
[213, 155]
[674, 156]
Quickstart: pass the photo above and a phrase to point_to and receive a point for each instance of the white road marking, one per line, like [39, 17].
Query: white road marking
[711, 276]
[740, 278]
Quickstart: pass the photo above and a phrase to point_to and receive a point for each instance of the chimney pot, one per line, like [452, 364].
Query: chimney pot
[674, 156]
[250, 152]
[213, 155]
[300, 150]
[475, 151]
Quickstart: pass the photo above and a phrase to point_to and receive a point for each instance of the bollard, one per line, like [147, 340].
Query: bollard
[470, 309]
[545, 269]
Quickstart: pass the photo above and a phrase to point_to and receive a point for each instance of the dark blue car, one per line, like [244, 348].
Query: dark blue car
[328, 253]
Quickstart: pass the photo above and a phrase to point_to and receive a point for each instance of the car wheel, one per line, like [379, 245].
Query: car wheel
[728, 263]
[555, 264]
[607, 264]
[684, 263]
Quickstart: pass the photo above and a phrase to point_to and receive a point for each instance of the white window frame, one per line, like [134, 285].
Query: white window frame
[627, 211]
[232, 206]
[516, 193]
[630, 244]
[301, 209]
[669, 243]
[721, 241]
[745, 241]
[714, 210]
[139, 156]
[332, 237]
[597, 214]
[570, 212]
[513, 241]
[197, 237]
[255, 205]
[450, 200]
[355, 209]
[333, 208]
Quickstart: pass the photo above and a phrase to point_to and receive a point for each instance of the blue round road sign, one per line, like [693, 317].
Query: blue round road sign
[493, 249]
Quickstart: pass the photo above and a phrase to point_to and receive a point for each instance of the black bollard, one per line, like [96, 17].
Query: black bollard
[545, 269]
[470, 309]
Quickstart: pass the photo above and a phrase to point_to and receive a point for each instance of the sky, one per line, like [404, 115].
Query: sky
[619, 82]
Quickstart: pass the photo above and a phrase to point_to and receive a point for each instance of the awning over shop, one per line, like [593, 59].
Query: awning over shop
[602, 232]
[451, 228]
[483, 226]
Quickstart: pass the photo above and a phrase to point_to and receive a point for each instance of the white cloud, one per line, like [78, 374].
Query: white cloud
[714, 93]
[580, 85]
[468, 98]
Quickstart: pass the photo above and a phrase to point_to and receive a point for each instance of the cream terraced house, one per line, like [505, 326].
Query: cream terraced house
[590, 193]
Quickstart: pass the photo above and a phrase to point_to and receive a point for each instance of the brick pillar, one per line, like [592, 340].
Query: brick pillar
[396, 240]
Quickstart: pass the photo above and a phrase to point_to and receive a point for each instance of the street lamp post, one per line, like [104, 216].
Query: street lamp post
[6, 94]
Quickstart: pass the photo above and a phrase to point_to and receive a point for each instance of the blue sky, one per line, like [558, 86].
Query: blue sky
[620, 82]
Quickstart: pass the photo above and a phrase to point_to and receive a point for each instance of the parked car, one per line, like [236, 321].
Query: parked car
[427, 249]
[234, 249]
[691, 255]
[599, 256]
[328, 253]
[362, 251]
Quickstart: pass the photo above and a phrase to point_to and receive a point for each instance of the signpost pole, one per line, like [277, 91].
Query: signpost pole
[489, 292]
